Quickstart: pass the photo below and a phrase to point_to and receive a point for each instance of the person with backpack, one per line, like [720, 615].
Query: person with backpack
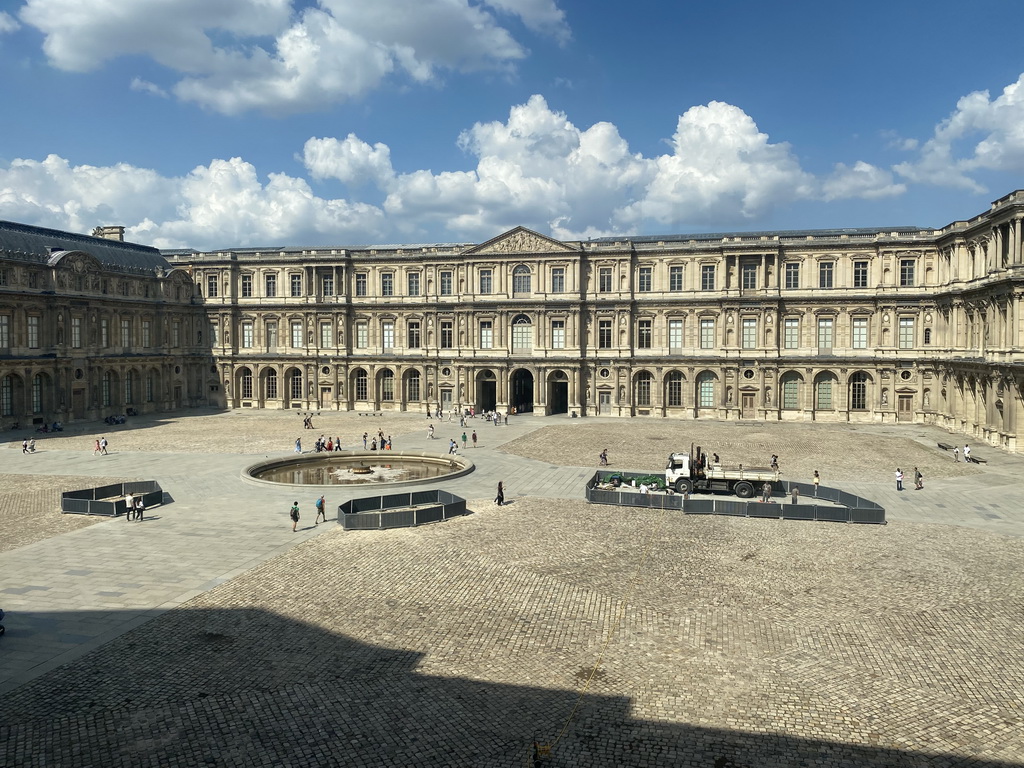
[321, 509]
[294, 515]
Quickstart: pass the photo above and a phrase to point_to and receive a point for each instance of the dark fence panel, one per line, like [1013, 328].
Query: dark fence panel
[366, 504]
[396, 500]
[405, 518]
[86, 493]
[862, 515]
[798, 511]
[77, 506]
[761, 509]
[108, 491]
[456, 508]
[730, 507]
[429, 514]
[108, 508]
[364, 522]
[425, 497]
[832, 514]
[694, 506]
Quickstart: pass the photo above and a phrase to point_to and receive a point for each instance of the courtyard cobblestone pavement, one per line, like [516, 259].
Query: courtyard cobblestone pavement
[211, 634]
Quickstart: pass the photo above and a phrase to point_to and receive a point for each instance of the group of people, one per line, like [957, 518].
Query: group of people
[99, 447]
[327, 444]
[918, 479]
[134, 507]
[384, 443]
[321, 511]
[967, 453]
[28, 445]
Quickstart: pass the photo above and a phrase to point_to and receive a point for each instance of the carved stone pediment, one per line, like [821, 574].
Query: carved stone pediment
[520, 240]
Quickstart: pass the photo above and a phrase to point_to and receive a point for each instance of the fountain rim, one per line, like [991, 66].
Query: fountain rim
[465, 466]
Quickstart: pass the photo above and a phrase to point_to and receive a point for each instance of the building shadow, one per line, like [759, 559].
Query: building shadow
[249, 687]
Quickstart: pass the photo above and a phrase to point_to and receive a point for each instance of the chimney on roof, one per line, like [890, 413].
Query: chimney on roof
[110, 233]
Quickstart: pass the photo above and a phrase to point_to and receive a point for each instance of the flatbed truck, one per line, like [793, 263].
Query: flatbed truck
[694, 471]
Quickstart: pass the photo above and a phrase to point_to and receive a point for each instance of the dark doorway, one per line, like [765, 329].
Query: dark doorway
[558, 393]
[486, 391]
[521, 395]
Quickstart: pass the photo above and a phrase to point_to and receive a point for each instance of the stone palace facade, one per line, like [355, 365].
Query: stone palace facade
[852, 325]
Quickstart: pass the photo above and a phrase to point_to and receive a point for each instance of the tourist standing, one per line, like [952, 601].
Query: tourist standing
[956, 453]
[474, 438]
[817, 482]
[294, 515]
[918, 480]
[967, 453]
[365, 435]
[464, 440]
[899, 479]
[321, 509]
[500, 498]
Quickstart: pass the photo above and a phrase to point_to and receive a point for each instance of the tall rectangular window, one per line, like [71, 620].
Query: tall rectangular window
[413, 340]
[326, 335]
[147, 335]
[246, 286]
[645, 279]
[360, 284]
[126, 333]
[270, 283]
[825, 334]
[604, 279]
[76, 332]
[412, 283]
[792, 275]
[906, 333]
[387, 284]
[387, 330]
[707, 333]
[104, 333]
[327, 285]
[522, 337]
[748, 276]
[447, 339]
[558, 334]
[486, 281]
[707, 277]
[446, 283]
[362, 335]
[211, 286]
[558, 279]
[644, 334]
[604, 334]
[486, 334]
[295, 283]
[791, 333]
[823, 394]
[675, 335]
[859, 338]
[749, 338]
[296, 334]
[860, 274]
[247, 335]
[5, 331]
[675, 278]
[825, 273]
[791, 393]
[906, 272]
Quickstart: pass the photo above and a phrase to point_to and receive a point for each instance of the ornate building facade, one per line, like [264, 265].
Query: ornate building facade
[917, 325]
[850, 325]
[92, 327]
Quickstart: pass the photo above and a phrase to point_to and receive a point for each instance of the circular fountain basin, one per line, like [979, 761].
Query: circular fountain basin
[359, 468]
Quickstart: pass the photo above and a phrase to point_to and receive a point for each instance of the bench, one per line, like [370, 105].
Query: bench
[946, 446]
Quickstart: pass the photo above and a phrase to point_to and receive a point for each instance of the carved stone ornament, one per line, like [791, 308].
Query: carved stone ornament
[523, 242]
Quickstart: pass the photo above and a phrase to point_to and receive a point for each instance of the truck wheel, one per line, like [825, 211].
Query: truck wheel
[743, 489]
[683, 486]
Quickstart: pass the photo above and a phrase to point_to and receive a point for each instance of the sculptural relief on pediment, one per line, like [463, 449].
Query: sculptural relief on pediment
[521, 241]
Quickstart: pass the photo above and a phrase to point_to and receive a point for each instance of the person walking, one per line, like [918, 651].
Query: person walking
[430, 432]
[24, 445]
[140, 508]
[474, 438]
[453, 447]
[604, 458]
[464, 440]
[794, 494]
[298, 445]
[918, 480]
[899, 479]
[373, 444]
[96, 447]
[500, 498]
[321, 509]
[129, 507]
[103, 446]
[967, 453]
[365, 435]
[956, 453]
[294, 515]
[817, 481]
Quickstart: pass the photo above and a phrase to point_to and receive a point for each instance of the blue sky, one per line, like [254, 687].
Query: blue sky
[220, 123]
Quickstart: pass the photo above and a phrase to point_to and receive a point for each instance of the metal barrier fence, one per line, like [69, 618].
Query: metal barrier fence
[851, 509]
[108, 500]
[400, 510]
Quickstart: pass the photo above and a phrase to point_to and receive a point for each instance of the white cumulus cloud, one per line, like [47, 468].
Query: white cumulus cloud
[232, 56]
[861, 180]
[350, 160]
[7, 23]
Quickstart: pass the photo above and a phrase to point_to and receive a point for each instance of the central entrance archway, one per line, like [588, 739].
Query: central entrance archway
[486, 391]
[521, 391]
[558, 392]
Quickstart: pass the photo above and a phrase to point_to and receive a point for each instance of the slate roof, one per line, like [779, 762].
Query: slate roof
[27, 243]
